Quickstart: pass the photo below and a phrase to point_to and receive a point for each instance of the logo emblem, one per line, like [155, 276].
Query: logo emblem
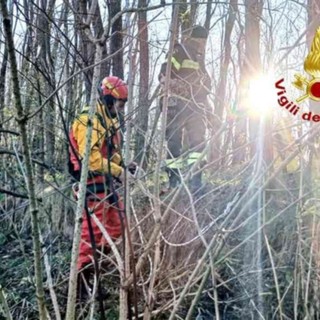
[311, 87]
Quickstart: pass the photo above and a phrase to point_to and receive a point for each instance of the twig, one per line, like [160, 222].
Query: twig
[15, 194]
[110, 243]
[50, 283]
[274, 276]
[4, 304]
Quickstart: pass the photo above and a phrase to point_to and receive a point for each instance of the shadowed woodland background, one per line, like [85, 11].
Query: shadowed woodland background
[249, 247]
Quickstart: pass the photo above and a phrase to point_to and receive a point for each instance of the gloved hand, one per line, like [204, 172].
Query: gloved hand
[135, 172]
[120, 178]
[131, 173]
[132, 168]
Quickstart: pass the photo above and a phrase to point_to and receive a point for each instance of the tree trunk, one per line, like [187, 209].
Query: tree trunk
[208, 15]
[86, 48]
[152, 291]
[22, 122]
[250, 68]
[219, 101]
[3, 72]
[116, 41]
[48, 82]
[143, 104]
[82, 193]
[252, 58]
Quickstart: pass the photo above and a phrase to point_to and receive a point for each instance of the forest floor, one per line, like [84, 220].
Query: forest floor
[237, 281]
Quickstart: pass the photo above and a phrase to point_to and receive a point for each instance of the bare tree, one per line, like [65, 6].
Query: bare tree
[250, 67]
[142, 115]
[219, 100]
[116, 41]
[22, 121]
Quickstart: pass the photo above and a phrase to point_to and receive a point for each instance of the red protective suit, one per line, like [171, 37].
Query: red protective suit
[107, 211]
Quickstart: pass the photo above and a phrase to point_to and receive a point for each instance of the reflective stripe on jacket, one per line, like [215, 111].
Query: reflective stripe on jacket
[189, 77]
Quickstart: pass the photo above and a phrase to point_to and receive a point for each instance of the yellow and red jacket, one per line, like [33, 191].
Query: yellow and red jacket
[105, 143]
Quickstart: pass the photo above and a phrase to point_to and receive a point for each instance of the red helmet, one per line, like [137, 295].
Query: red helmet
[115, 87]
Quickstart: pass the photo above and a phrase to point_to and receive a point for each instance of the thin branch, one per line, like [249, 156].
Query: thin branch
[5, 306]
[17, 195]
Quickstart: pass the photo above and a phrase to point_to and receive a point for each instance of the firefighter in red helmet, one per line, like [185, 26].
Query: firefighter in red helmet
[105, 165]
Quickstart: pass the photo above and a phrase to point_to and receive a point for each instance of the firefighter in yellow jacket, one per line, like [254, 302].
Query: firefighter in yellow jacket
[189, 86]
[105, 164]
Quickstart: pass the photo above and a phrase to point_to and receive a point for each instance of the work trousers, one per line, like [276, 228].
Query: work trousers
[185, 127]
[110, 213]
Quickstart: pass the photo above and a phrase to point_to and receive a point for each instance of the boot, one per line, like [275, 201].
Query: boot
[84, 287]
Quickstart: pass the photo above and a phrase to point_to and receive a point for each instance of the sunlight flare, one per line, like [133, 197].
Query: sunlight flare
[261, 95]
